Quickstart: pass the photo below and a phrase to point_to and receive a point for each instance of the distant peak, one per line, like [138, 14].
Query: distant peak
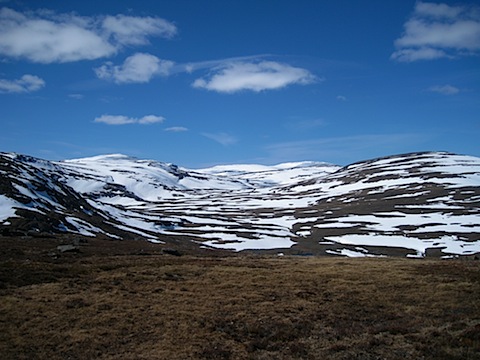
[107, 157]
[300, 164]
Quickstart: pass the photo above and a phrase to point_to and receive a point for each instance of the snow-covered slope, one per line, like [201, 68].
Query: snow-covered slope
[282, 174]
[415, 201]
[413, 204]
[34, 198]
[143, 180]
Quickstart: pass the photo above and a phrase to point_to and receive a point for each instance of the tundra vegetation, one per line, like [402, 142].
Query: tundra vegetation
[131, 300]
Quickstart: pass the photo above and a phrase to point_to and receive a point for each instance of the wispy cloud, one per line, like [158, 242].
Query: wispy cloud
[123, 120]
[342, 150]
[439, 31]
[254, 76]
[176, 129]
[305, 125]
[341, 98]
[76, 96]
[222, 138]
[47, 37]
[131, 30]
[138, 68]
[426, 53]
[218, 63]
[27, 83]
[444, 89]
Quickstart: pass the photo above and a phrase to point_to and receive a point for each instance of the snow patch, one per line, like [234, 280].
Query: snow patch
[7, 208]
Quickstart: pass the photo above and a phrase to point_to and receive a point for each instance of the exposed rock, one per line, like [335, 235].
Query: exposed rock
[68, 248]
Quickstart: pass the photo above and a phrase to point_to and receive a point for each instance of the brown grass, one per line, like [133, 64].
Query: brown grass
[167, 307]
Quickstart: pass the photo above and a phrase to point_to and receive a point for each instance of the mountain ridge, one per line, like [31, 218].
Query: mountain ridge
[416, 204]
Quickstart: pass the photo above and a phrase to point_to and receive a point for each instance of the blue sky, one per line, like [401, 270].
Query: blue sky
[204, 82]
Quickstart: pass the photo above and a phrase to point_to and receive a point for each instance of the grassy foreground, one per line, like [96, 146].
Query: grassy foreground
[243, 307]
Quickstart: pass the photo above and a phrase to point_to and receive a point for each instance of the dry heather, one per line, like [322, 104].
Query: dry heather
[245, 307]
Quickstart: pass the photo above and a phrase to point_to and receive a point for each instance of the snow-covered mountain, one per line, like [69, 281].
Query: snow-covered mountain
[415, 204]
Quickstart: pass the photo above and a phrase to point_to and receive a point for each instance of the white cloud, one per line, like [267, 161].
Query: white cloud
[151, 119]
[27, 83]
[222, 138]
[265, 75]
[138, 68]
[444, 89]
[122, 120]
[47, 37]
[176, 129]
[341, 98]
[439, 31]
